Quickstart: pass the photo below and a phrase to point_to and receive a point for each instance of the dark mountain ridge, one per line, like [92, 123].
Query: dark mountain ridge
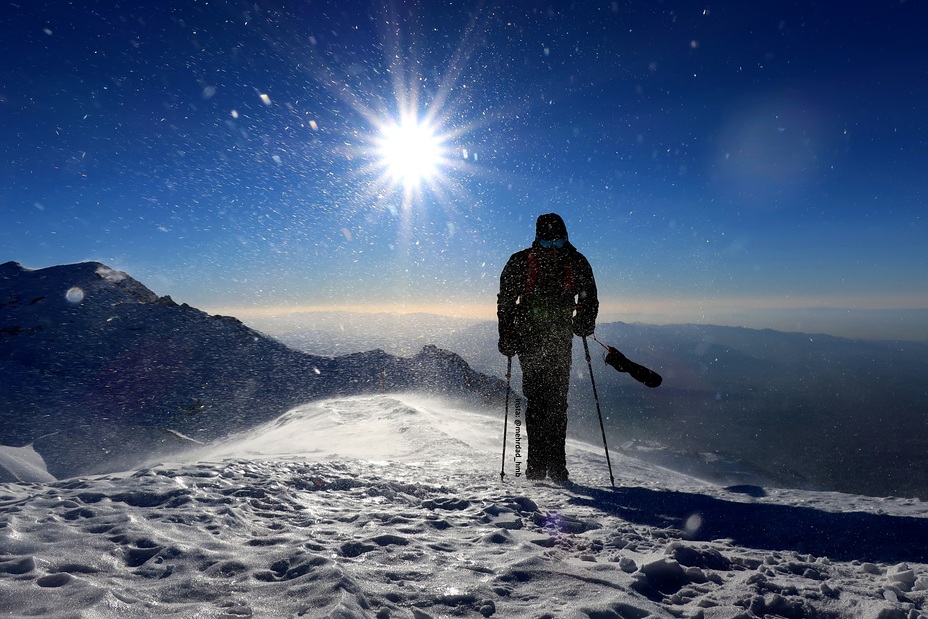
[100, 373]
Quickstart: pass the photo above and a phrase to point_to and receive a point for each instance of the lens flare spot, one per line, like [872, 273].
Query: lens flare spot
[74, 295]
[693, 524]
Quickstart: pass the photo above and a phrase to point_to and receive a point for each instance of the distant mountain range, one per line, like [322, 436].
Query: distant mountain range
[99, 373]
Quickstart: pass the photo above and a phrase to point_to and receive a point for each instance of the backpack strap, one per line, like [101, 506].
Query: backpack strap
[569, 275]
[531, 272]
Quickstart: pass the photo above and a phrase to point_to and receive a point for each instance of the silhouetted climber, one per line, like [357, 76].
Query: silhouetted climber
[547, 295]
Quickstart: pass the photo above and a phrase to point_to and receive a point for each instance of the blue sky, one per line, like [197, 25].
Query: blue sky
[713, 161]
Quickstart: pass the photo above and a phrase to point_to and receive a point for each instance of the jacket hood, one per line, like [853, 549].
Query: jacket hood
[549, 227]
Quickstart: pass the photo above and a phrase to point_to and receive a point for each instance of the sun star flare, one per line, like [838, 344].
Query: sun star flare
[411, 152]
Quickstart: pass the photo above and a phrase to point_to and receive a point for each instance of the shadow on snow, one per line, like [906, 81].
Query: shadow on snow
[843, 536]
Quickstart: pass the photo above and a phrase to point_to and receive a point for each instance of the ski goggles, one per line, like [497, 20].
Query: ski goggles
[552, 243]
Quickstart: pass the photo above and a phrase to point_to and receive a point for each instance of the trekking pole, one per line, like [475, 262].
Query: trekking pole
[602, 428]
[502, 466]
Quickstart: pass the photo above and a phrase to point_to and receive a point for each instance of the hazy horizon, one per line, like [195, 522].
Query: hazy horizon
[910, 324]
[902, 318]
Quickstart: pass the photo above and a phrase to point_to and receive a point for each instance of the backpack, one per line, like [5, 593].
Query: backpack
[549, 295]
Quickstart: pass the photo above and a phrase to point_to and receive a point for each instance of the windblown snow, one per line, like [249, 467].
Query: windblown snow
[392, 506]
[22, 464]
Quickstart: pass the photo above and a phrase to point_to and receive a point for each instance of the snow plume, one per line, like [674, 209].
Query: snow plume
[110, 275]
[391, 507]
[406, 427]
[22, 464]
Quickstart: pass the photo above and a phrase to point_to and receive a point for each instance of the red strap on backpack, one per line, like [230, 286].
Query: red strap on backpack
[569, 277]
[531, 275]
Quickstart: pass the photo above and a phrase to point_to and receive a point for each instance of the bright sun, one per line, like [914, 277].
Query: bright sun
[410, 151]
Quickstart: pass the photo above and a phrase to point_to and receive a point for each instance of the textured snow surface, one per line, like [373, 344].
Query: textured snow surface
[392, 506]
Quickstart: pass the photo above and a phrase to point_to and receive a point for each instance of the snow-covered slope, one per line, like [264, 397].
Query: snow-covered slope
[392, 507]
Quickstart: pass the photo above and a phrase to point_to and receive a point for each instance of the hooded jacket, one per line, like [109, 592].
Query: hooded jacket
[545, 293]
